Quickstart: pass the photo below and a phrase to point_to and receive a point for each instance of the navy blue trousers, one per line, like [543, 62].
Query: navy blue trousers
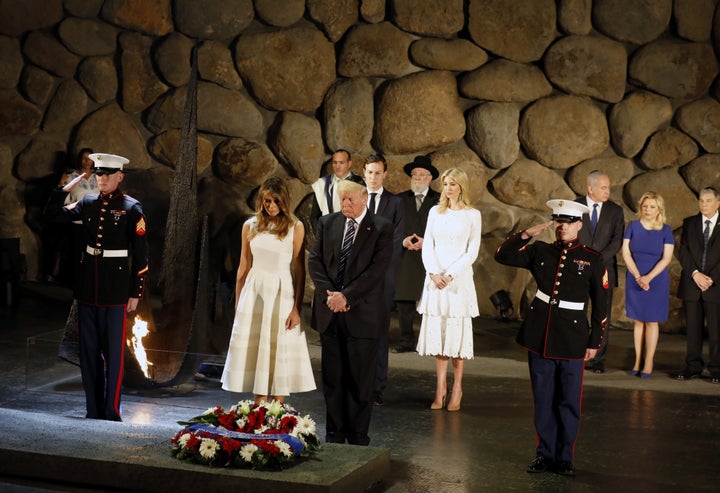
[557, 396]
[102, 353]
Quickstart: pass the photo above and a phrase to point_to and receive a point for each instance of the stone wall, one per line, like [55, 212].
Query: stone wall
[528, 97]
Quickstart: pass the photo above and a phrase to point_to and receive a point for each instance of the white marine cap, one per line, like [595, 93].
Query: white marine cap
[108, 161]
[567, 211]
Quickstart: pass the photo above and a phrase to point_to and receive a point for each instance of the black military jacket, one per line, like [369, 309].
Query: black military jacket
[115, 258]
[569, 274]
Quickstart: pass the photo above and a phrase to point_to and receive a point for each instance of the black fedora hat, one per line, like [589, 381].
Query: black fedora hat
[421, 162]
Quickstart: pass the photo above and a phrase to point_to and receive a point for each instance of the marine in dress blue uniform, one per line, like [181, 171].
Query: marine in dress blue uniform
[112, 279]
[555, 331]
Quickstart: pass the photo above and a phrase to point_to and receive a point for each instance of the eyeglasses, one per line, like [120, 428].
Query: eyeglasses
[103, 172]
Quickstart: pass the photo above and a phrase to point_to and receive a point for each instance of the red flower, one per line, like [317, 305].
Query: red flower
[193, 442]
[227, 420]
[287, 424]
[229, 445]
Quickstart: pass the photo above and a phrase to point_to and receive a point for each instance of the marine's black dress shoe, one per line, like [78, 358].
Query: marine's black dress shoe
[540, 464]
[378, 399]
[565, 468]
[686, 375]
[715, 379]
[596, 368]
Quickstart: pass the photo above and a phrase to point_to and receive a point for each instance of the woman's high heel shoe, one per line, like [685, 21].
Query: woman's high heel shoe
[455, 407]
[635, 373]
[435, 407]
[645, 375]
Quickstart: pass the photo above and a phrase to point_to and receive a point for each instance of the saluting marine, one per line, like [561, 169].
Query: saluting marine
[555, 331]
[111, 281]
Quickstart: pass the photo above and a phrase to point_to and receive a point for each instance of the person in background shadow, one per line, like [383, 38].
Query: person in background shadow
[410, 272]
[389, 206]
[268, 353]
[647, 250]
[698, 288]
[602, 230]
[555, 330]
[347, 263]
[326, 199]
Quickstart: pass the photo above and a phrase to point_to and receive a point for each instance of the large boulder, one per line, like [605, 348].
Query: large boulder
[636, 118]
[83, 8]
[153, 17]
[702, 172]
[210, 19]
[439, 18]
[701, 120]
[291, 12]
[459, 155]
[111, 130]
[492, 132]
[288, 70]
[348, 114]
[667, 148]
[164, 148]
[11, 62]
[588, 66]
[529, 185]
[88, 37]
[376, 50]
[47, 52]
[98, 76]
[140, 85]
[243, 162]
[334, 16]
[491, 82]
[18, 117]
[619, 169]
[634, 22]
[19, 17]
[418, 112]
[676, 69]
[372, 11]
[42, 157]
[561, 131]
[298, 144]
[680, 202]
[575, 16]
[693, 19]
[521, 33]
[447, 54]
[36, 84]
[172, 57]
[67, 107]
[215, 64]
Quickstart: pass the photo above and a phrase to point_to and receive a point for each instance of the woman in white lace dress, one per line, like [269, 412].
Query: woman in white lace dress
[449, 302]
[268, 352]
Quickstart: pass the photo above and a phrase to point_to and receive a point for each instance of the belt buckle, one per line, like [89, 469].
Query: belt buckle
[554, 301]
[97, 251]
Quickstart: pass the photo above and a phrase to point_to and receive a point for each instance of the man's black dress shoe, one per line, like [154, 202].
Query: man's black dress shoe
[715, 379]
[378, 399]
[540, 464]
[565, 469]
[403, 349]
[686, 375]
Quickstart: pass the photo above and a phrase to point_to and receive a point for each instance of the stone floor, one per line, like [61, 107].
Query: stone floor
[644, 435]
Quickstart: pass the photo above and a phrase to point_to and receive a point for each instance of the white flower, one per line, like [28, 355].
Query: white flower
[184, 439]
[247, 451]
[243, 407]
[284, 448]
[210, 410]
[305, 425]
[241, 422]
[274, 408]
[208, 447]
[260, 430]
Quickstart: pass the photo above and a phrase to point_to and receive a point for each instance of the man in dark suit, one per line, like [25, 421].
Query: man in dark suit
[602, 231]
[410, 277]
[700, 261]
[325, 194]
[555, 330]
[389, 206]
[347, 263]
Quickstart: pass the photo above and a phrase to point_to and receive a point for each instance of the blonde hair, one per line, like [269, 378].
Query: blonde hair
[461, 179]
[659, 220]
[278, 225]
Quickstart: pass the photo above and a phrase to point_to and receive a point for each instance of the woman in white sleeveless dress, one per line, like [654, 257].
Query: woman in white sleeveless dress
[268, 352]
[449, 302]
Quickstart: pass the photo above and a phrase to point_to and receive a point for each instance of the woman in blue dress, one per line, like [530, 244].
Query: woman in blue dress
[647, 250]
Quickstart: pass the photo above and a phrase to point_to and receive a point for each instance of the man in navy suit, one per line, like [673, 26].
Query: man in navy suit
[389, 206]
[602, 231]
[698, 288]
[347, 263]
